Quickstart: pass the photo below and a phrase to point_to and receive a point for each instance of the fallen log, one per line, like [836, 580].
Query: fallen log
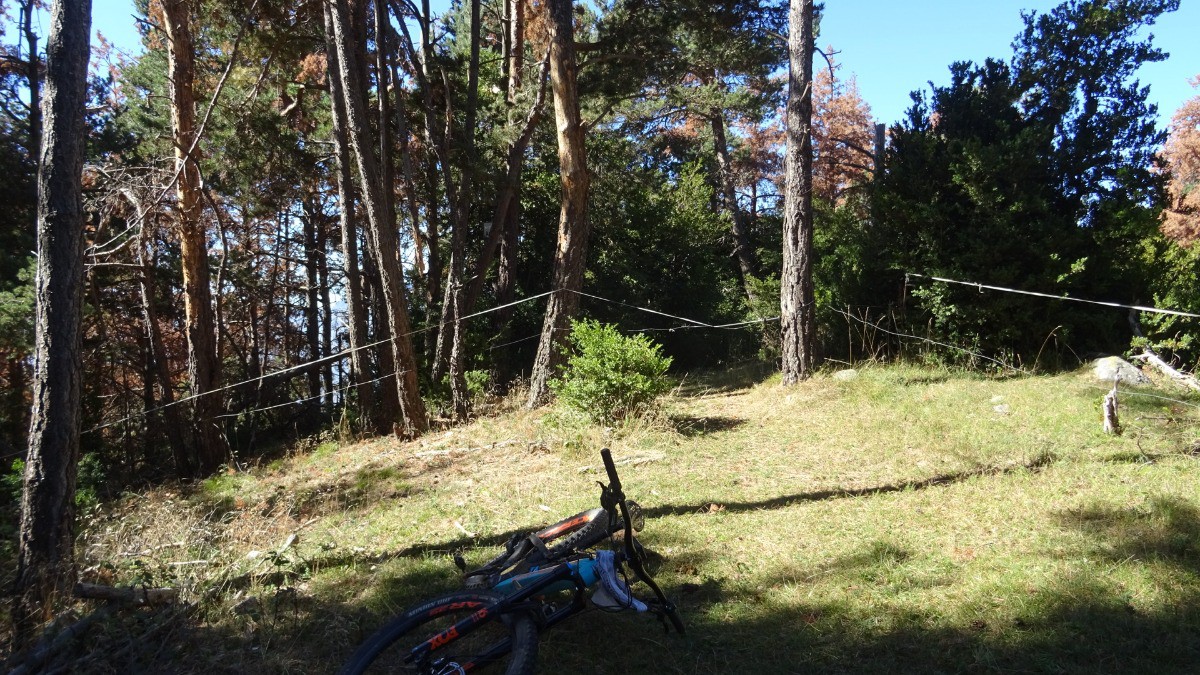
[1183, 379]
[127, 595]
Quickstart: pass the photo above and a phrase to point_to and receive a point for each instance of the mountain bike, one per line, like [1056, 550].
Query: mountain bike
[541, 580]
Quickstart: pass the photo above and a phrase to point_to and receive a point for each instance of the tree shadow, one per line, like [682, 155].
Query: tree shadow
[1037, 463]
[1081, 627]
[1073, 624]
[691, 426]
[1165, 529]
[723, 381]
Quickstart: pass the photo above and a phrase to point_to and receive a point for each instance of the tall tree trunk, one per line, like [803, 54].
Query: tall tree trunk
[573, 227]
[459, 196]
[382, 234]
[462, 210]
[742, 248]
[203, 370]
[514, 57]
[312, 308]
[45, 557]
[157, 362]
[327, 314]
[433, 242]
[504, 219]
[407, 173]
[796, 301]
[356, 307]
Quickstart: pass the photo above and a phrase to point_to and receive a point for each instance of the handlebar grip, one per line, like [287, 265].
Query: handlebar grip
[613, 480]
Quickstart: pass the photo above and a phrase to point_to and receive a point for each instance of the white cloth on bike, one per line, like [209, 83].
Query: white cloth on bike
[613, 592]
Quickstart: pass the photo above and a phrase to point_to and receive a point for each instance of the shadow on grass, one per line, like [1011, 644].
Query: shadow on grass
[691, 426]
[1078, 624]
[447, 547]
[1165, 529]
[735, 378]
[1078, 628]
[1036, 464]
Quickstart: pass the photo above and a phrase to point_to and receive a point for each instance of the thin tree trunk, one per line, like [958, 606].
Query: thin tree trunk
[504, 219]
[382, 235]
[356, 308]
[389, 396]
[459, 196]
[458, 382]
[158, 356]
[312, 309]
[797, 311]
[203, 370]
[573, 227]
[509, 224]
[45, 555]
[407, 173]
[742, 248]
[327, 314]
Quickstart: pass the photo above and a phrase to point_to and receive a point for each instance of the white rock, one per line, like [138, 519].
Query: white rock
[1115, 367]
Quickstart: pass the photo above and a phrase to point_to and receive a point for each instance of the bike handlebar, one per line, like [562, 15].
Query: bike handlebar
[633, 556]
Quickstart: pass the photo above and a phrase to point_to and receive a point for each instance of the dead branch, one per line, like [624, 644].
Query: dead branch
[128, 596]
[1183, 379]
[48, 647]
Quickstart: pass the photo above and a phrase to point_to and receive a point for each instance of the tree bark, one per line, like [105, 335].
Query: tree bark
[312, 306]
[356, 307]
[797, 311]
[742, 248]
[514, 56]
[407, 174]
[158, 354]
[573, 227]
[504, 219]
[203, 369]
[382, 236]
[45, 556]
[458, 382]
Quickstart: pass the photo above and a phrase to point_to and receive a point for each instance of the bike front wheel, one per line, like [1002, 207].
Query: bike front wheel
[504, 644]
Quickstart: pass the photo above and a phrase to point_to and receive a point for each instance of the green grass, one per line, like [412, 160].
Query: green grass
[908, 520]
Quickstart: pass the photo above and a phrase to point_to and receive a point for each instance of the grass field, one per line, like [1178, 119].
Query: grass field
[905, 520]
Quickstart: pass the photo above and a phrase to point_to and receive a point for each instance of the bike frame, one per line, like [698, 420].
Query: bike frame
[575, 574]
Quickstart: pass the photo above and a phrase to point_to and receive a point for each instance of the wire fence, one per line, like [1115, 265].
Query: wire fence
[685, 323]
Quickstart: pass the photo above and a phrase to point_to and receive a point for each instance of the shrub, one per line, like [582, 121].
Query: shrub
[610, 376]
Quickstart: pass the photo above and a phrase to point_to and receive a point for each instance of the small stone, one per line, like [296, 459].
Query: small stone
[1002, 409]
[845, 375]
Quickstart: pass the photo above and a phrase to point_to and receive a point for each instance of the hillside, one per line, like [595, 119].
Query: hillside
[907, 519]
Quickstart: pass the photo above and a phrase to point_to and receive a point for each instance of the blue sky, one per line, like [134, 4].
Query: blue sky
[895, 47]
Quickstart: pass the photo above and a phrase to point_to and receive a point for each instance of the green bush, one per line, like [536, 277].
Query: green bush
[610, 376]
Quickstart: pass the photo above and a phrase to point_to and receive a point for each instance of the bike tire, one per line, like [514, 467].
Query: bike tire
[587, 535]
[385, 650]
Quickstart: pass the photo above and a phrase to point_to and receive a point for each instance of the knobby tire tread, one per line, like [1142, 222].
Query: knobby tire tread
[589, 534]
[521, 627]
